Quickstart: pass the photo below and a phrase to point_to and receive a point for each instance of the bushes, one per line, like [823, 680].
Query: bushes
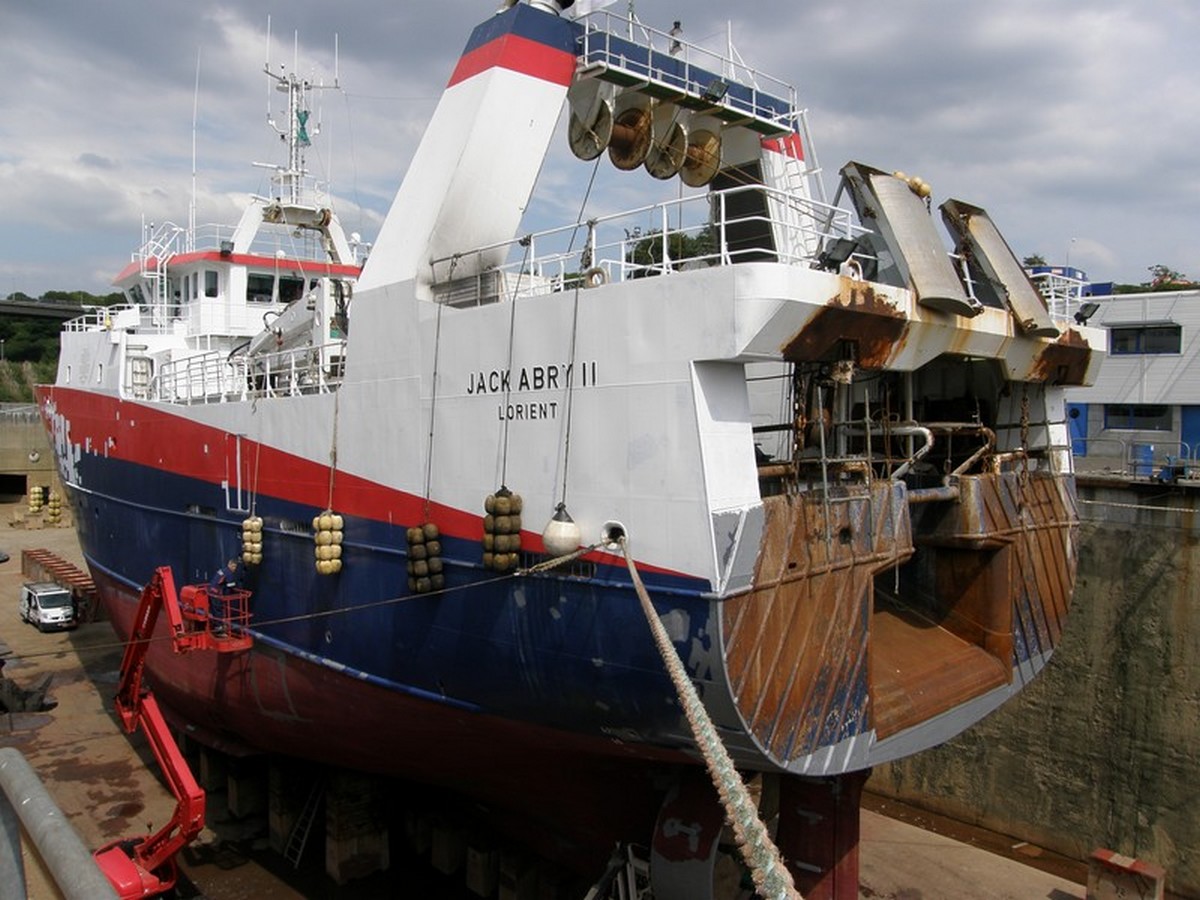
[18, 378]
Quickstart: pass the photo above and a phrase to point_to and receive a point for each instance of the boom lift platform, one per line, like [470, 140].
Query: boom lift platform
[202, 618]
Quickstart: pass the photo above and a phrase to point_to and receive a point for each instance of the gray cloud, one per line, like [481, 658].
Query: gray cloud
[1067, 121]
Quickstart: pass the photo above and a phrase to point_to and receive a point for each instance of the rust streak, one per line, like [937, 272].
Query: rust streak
[1065, 361]
[857, 315]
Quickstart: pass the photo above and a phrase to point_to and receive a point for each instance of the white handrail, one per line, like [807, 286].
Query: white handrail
[543, 268]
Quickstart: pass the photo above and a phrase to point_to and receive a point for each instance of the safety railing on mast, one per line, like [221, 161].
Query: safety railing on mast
[158, 248]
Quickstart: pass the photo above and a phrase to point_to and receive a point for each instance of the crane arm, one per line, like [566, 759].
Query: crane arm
[145, 866]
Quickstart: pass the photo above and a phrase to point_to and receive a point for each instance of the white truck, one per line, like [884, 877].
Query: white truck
[47, 605]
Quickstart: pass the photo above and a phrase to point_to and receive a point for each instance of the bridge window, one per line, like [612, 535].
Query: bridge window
[211, 282]
[1145, 339]
[259, 287]
[290, 289]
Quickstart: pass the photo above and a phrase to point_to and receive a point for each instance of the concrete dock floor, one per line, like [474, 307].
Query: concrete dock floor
[107, 785]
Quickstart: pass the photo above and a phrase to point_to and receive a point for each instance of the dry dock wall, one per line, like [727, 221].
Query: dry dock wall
[1104, 749]
[25, 457]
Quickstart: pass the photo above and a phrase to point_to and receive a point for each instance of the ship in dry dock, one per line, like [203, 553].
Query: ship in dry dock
[835, 454]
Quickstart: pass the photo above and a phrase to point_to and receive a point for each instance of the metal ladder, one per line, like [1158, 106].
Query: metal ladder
[298, 839]
[157, 249]
[627, 877]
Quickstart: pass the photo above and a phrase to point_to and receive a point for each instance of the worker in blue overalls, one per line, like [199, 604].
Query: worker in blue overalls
[219, 585]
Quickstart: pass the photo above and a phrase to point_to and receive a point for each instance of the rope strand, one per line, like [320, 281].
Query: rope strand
[437, 341]
[771, 878]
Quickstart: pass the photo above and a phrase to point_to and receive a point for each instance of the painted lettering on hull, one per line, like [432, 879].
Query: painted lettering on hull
[550, 377]
[527, 412]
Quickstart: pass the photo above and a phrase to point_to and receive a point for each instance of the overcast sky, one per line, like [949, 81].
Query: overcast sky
[1076, 124]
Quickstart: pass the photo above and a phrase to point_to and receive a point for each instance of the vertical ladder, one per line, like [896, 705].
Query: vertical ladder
[298, 838]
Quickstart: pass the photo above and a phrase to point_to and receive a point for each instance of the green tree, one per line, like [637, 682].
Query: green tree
[31, 344]
[680, 245]
[17, 379]
[1033, 259]
[1164, 278]
[30, 340]
[83, 298]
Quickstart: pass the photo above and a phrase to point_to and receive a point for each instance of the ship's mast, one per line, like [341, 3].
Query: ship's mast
[291, 179]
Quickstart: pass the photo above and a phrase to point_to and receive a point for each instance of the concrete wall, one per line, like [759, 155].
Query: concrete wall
[25, 455]
[1104, 749]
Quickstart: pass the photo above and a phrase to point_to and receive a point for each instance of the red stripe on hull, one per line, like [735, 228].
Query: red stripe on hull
[146, 435]
[149, 436]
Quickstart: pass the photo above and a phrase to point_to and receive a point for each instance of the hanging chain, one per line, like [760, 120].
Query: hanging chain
[1024, 469]
[798, 422]
[512, 328]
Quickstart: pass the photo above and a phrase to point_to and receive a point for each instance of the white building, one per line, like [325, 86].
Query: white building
[1143, 412]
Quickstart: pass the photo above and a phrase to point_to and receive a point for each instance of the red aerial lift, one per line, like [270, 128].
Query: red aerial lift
[202, 618]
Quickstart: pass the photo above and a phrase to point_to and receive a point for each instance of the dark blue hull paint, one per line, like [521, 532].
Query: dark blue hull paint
[569, 653]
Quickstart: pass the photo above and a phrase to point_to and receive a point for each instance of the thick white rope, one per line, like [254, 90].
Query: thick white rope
[771, 878]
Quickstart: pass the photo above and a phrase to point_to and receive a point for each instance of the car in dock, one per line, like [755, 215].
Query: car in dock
[47, 605]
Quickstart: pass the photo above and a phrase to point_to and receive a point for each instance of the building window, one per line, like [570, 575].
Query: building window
[1126, 339]
[210, 283]
[1137, 417]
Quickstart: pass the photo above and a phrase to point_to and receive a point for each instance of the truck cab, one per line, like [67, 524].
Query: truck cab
[47, 605]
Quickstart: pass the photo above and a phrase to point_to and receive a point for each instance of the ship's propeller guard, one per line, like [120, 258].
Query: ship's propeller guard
[703, 158]
[631, 137]
[588, 139]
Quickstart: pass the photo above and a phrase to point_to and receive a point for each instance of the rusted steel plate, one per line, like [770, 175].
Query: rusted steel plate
[920, 670]
[820, 649]
[796, 645]
[977, 588]
[858, 315]
[1066, 361]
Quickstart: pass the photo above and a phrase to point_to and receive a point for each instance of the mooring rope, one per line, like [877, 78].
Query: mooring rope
[771, 878]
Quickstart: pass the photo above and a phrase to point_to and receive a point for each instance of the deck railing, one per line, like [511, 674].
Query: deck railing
[1136, 460]
[217, 376]
[661, 239]
[669, 65]
[96, 318]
